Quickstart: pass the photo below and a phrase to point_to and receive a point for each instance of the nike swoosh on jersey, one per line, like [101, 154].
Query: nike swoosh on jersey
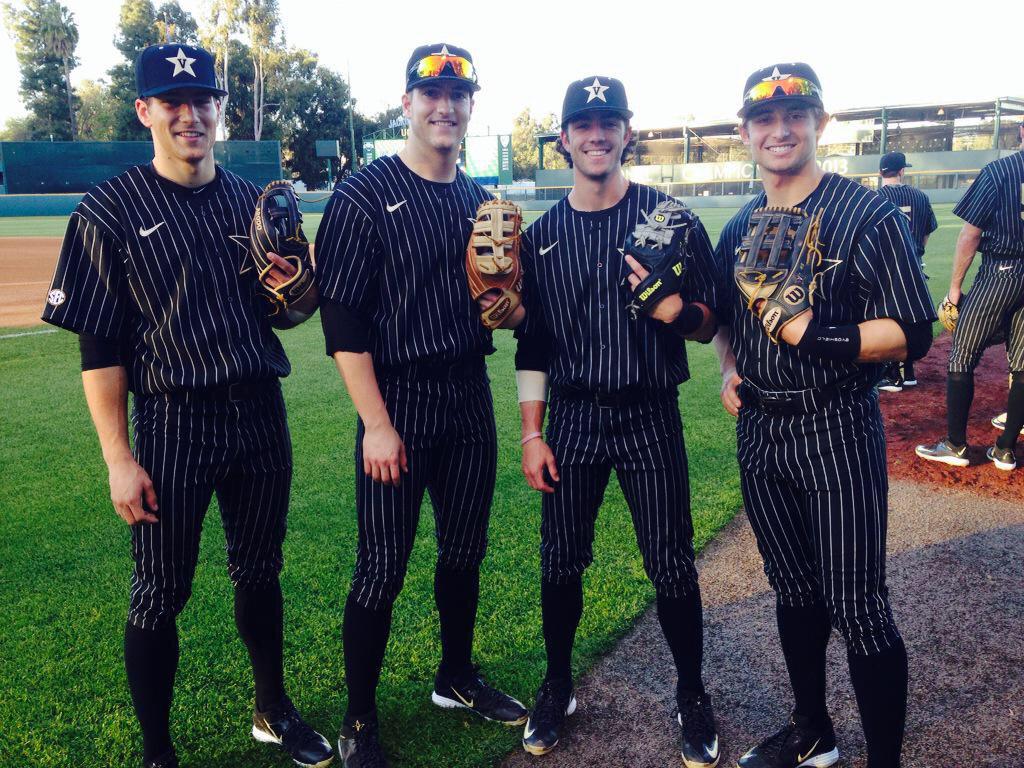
[1008, 266]
[395, 207]
[542, 251]
[801, 758]
[151, 230]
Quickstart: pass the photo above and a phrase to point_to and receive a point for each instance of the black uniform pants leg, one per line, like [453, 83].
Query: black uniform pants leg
[1015, 398]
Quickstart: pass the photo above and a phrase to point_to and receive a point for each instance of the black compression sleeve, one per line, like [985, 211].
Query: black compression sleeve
[98, 351]
[533, 352]
[835, 342]
[344, 330]
[690, 319]
[919, 338]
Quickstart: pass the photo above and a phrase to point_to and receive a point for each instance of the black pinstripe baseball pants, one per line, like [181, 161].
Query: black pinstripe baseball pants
[996, 298]
[451, 446]
[815, 488]
[194, 448]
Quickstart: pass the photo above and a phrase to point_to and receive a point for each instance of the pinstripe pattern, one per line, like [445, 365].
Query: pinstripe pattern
[915, 205]
[994, 203]
[239, 450]
[451, 444]
[175, 294]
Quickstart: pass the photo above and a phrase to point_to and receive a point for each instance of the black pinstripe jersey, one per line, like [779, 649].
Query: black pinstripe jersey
[156, 265]
[576, 294]
[915, 205]
[392, 248]
[870, 271]
[994, 203]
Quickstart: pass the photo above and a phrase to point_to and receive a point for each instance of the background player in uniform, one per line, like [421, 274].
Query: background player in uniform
[614, 404]
[148, 276]
[809, 436]
[916, 206]
[993, 214]
[408, 341]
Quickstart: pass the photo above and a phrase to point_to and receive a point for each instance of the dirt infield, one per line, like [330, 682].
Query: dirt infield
[917, 415]
[27, 265]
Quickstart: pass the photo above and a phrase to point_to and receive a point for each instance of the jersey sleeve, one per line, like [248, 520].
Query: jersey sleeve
[979, 202]
[702, 278]
[89, 292]
[724, 258]
[933, 223]
[887, 265]
[347, 263]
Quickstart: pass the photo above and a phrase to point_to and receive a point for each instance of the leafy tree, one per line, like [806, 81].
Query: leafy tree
[17, 129]
[96, 112]
[223, 19]
[525, 155]
[261, 26]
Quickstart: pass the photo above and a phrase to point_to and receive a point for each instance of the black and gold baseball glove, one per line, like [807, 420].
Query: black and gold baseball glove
[277, 228]
[776, 265]
[659, 243]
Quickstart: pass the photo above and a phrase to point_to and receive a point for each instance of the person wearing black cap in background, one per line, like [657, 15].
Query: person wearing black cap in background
[409, 343]
[810, 442]
[150, 278]
[614, 405]
[915, 205]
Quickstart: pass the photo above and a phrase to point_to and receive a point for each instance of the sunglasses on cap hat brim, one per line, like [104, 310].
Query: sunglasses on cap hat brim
[448, 66]
[792, 87]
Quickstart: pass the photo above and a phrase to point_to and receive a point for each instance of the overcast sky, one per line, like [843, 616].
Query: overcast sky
[676, 59]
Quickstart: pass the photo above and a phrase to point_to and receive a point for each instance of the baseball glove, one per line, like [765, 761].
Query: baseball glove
[492, 259]
[948, 313]
[659, 243]
[277, 228]
[775, 264]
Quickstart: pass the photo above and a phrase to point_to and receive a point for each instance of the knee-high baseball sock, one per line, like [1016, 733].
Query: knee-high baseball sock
[456, 594]
[880, 683]
[150, 660]
[682, 621]
[259, 617]
[804, 633]
[561, 609]
[365, 638]
[908, 371]
[1014, 412]
[959, 396]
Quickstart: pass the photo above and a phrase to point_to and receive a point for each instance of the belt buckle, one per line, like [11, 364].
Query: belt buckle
[773, 405]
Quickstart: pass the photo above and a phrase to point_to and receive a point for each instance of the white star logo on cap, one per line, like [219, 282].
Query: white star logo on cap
[775, 75]
[596, 91]
[182, 63]
[442, 52]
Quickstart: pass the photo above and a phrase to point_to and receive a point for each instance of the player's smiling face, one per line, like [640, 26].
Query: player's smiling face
[439, 113]
[595, 142]
[183, 123]
[783, 137]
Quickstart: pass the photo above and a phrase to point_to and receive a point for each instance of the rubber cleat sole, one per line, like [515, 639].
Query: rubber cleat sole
[445, 703]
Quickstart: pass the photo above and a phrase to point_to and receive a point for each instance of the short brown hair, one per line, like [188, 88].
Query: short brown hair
[627, 151]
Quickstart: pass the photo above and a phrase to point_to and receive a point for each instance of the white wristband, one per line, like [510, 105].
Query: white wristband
[532, 385]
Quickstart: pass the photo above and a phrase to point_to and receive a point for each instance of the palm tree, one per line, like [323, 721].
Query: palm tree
[59, 36]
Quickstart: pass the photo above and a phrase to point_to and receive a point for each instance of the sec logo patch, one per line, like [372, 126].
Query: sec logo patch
[56, 297]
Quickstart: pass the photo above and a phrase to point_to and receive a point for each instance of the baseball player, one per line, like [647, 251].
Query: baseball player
[916, 206]
[409, 343]
[993, 214]
[614, 405]
[148, 276]
[809, 435]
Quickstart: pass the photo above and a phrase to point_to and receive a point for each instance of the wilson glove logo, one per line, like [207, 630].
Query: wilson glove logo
[649, 290]
[677, 268]
[794, 295]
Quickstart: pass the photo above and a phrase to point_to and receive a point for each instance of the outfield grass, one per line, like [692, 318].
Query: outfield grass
[64, 569]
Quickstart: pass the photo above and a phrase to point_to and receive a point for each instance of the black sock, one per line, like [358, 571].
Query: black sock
[804, 632]
[561, 609]
[365, 638]
[908, 371]
[259, 617]
[151, 659]
[682, 621]
[959, 396]
[456, 594]
[1014, 412]
[880, 683]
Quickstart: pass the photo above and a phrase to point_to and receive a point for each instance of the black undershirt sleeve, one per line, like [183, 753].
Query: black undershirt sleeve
[98, 351]
[919, 338]
[344, 329]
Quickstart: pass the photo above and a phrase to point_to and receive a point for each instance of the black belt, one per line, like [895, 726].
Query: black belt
[465, 368]
[630, 396]
[776, 403]
[239, 390]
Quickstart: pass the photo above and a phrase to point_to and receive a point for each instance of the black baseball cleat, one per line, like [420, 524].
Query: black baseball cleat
[555, 701]
[469, 691]
[359, 744]
[795, 746]
[946, 452]
[1003, 458]
[166, 760]
[698, 736]
[893, 380]
[285, 727]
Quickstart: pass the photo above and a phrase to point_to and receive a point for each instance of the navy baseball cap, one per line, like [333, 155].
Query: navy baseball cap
[793, 81]
[440, 61]
[170, 66]
[595, 93]
[893, 161]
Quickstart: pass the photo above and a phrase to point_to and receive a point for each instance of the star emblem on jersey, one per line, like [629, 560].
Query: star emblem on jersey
[775, 75]
[596, 91]
[182, 63]
[243, 240]
[56, 297]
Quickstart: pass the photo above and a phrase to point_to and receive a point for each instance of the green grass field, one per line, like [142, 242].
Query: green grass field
[64, 569]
